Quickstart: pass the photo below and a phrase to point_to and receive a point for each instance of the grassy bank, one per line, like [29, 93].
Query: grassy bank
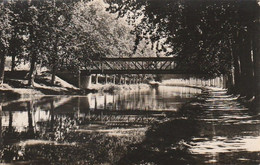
[15, 87]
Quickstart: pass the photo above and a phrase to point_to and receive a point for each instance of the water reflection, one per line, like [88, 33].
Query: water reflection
[44, 109]
[162, 98]
[97, 127]
[110, 129]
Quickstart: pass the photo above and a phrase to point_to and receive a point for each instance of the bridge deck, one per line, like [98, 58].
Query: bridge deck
[131, 71]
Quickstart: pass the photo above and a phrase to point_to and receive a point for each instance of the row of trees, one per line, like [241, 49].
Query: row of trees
[60, 34]
[209, 37]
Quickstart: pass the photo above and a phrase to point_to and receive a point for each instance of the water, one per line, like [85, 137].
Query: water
[110, 129]
[92, 129]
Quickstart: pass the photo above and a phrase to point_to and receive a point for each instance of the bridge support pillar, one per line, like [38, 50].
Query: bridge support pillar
[120, 80]
[106, 78]
[196, 81]
[85, 82]
[114, 79]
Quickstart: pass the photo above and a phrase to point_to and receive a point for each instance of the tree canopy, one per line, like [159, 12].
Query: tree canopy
[61, 34]
[200, 33]
[208, 37]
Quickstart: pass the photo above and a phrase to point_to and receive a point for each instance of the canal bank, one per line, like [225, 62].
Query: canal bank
[16, 87]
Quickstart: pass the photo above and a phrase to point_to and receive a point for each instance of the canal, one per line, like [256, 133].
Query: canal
[163, 125]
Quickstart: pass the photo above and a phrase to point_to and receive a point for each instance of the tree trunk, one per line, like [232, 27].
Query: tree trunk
[54, 68]
[52, 116]
[54, 62]
[32, 70]
[236, 64]
[2, 68]
[30, 131]
[229, 82]
[246, 66]
[256, 60]
[10, 126]
[231, 75]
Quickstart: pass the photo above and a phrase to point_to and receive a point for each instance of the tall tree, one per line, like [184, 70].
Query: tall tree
[33, 27]
[33, 44]
[17, 40]
[5, 35]
[57, 19]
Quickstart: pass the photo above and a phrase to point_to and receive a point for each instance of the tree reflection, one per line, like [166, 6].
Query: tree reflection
[30, 134]
[52, 115]
[10, 135]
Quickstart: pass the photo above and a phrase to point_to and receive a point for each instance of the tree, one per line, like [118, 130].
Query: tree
[95, 33]
[248, 32]
[16, 41]
[5, 36]
[57, 18]
[33, 41]
[209, 37]
[34, 33]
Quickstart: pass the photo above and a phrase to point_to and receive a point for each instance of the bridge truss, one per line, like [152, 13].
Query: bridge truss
[136, 65]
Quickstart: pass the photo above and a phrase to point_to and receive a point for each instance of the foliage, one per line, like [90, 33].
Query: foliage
[5, 27]
[96, 33]
[62, 34]
[199, 33]
[5, 36]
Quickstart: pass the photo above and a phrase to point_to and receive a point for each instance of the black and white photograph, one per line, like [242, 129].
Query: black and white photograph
[129, 82]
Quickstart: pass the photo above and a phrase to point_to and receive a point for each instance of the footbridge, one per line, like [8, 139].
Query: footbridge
[133, 65]
[128, 66]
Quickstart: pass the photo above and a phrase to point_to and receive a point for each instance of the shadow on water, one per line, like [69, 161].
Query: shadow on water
[164, 144]
[167, 143]
[211, 129]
